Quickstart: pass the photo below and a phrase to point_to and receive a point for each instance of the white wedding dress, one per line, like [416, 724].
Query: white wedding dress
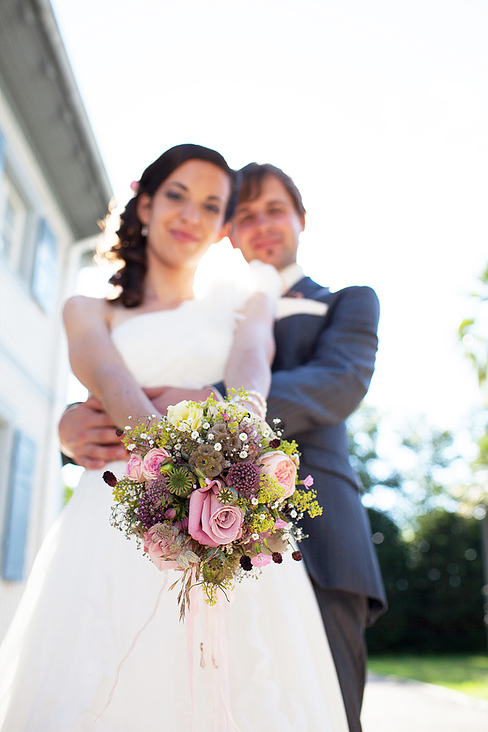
[96, 645]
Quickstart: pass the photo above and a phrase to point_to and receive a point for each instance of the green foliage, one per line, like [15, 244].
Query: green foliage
[433, 584]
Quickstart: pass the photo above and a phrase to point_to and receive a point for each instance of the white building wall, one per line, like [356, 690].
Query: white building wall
[33, 363]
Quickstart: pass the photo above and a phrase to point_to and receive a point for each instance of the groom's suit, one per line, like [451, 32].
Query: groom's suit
[322, 370]
[325, 352]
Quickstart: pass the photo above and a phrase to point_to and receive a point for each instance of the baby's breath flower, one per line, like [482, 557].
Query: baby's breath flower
[218, 446]
[195, 434]
[243, 436]
[255, 537]
[131, 447]
[243, 454]
[254, 501]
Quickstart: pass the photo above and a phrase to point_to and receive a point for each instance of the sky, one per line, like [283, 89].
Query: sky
[379, 112]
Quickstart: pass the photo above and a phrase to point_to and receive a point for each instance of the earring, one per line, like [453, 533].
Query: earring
[144, 230]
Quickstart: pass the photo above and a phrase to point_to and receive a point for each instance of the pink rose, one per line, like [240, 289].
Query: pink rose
[261, 560]
[209, 521]
[134, 467]
[151, 462]
[282, 468]
[159, 551]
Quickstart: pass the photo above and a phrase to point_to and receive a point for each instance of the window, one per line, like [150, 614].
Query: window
[17, 510]
[45, 273]
[13, 219]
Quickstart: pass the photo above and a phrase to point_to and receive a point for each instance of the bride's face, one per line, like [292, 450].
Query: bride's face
[186, 214]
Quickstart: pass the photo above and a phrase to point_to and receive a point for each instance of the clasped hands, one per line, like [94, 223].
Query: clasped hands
[87, 434]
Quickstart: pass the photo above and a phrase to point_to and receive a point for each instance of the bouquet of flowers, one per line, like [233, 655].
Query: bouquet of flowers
[212, 491]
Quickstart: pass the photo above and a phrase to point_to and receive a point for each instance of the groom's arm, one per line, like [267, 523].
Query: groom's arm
[329, 386]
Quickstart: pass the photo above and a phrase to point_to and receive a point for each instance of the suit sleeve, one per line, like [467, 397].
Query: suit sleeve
[329, 386]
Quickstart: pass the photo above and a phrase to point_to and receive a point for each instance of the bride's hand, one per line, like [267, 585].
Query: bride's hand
[265, 279]
[165, 396]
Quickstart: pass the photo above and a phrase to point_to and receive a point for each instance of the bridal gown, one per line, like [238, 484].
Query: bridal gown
[97, 646]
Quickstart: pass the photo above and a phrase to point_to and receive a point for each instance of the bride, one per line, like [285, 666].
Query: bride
[96, 645]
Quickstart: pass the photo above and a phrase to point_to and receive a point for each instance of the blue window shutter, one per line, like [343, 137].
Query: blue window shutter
[2, 153]
[21, 479]
[45, 273]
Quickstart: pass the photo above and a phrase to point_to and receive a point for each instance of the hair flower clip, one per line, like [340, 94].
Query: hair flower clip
[134, 186]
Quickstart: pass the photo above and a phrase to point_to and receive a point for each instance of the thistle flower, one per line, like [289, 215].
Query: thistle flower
[148, 513]
[156, 490]
[244, 477]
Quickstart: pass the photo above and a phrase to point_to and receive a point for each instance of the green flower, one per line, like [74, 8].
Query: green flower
[227, 496]
[180, 481]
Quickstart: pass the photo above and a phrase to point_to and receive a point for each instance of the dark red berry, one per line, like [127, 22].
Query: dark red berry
[297, 556]
[246, 563]
[109, 478]
[276, 557]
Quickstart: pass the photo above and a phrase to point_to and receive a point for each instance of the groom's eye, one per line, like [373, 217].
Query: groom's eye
[246, 219]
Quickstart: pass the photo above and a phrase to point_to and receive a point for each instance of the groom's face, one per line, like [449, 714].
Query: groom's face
[267, 228]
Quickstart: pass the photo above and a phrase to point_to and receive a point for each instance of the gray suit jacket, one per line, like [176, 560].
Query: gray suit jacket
[321, 372]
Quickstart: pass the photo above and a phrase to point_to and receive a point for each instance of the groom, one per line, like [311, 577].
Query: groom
[325, 351]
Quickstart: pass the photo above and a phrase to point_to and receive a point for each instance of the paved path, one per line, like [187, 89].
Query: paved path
[400, 705]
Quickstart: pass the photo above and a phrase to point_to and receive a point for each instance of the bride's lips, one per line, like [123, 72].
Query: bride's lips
[183, 236]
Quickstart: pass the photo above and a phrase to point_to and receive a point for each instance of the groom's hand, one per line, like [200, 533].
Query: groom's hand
[87, 435]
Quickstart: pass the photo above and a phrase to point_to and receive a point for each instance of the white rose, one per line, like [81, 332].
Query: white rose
[185, 416]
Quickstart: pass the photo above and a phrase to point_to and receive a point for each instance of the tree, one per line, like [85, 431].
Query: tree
[429, 556]
[473, 498]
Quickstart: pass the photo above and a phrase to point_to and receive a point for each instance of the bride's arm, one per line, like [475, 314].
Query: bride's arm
[253, 348]
[249, 362]
[96, 362]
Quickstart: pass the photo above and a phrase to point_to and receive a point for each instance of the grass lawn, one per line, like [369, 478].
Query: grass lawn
[468, 674]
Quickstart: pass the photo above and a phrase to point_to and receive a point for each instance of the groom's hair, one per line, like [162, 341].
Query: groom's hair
[252, 177]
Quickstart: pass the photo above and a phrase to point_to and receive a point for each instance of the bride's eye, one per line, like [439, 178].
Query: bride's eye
[174, 195]
[212, 207]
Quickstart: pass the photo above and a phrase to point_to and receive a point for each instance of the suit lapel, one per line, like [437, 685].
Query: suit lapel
[308, 288]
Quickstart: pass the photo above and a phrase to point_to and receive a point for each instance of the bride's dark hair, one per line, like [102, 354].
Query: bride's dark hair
[131, 244]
